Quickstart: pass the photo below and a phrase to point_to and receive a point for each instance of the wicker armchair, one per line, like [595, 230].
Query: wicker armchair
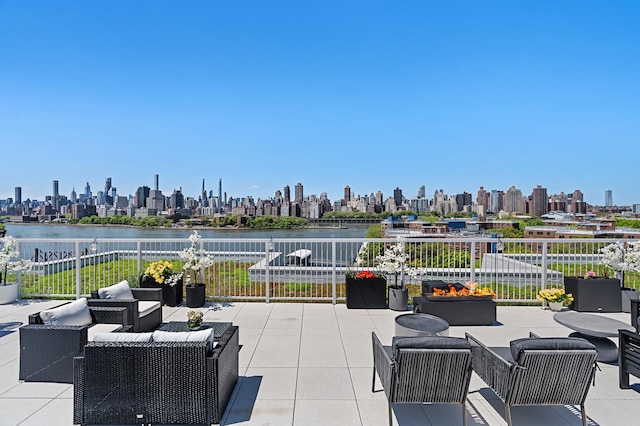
[537, 371]
[47, 351]
[628, 357]
[423, 369]
[147, 322]
[155, 382]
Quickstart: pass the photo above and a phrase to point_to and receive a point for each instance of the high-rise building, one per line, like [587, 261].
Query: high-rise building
[422, 192]
[220, 194]
[608, 198]
[18, 196]
[539, 201]
[513, 201]
[347, 194]
[56, 191]
[74, 196]
[483, 198]
[156, 182]
[140, 197]
[287, 194]
[299, 193]
[397, 196]
[497, 200]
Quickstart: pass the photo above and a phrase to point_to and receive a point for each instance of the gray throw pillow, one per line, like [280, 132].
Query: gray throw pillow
[73, 313]
[120, 291]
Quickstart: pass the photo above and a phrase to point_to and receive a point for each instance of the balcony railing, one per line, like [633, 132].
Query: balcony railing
[312, 269]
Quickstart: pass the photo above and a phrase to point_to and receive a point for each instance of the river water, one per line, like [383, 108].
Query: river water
[97, 231]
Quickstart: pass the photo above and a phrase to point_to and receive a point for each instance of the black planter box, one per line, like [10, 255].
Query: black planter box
[366, 293]
[195, 295]
[594, 294]
[171, 295]
[458, 312]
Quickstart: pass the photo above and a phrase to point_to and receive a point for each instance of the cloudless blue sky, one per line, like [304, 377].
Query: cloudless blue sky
[370, 94]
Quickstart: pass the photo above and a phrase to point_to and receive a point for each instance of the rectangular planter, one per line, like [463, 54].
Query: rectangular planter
[458, 312]
[594, 295]
[171, 295]
[366, 293]
[626, 295]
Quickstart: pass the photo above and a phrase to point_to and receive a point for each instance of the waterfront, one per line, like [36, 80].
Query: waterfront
[98, 231]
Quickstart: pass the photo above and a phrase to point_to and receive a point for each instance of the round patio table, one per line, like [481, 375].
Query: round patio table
[596, 329]
[421, 325]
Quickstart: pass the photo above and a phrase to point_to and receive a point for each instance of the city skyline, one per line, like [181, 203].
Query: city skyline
[373, 95]
[347, 193]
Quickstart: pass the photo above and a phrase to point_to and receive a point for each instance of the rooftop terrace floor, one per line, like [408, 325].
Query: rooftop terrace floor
[311, 364]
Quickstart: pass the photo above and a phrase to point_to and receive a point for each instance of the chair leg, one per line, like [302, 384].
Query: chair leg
[464, 414]
[507, 410]
[373, 381]
[584, 415]
[390, 413]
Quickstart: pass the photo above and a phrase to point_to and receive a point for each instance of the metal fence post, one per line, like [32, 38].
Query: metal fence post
[139, 258]
[78, 270]
[334, 297]
[472, 273]
[267, 259]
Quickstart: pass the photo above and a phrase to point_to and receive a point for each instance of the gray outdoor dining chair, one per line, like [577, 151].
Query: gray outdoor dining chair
[537, 371]
[434, 369]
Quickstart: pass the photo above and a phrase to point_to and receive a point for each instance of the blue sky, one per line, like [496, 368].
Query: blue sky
[370, 94]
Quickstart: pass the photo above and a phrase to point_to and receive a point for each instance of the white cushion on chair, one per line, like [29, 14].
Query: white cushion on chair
[205, 335]
[73, 313]
[116, 291]
[146, 307]
[123, 337]
[99, 328]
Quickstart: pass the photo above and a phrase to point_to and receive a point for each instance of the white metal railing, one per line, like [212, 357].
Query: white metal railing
[311, 269]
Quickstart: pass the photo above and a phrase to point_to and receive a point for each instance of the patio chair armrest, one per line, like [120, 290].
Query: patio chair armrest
[533, 335]
[382, 363]
[148, 294]
[109, 315]
[493, 369]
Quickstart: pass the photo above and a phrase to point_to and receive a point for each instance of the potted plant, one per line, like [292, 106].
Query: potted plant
[196, 261]
[194, 320]
[160, 274]
[393, 262]
[555, 297]
[619, 258]
[365, 290]
[10, 263]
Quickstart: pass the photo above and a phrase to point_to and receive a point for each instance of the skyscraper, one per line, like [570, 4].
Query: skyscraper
[220, 194]
[18, 196]
[156, 182]
[347, 194]
[287, 194]
[608, 198]
[539, 201]
[422, 192]
[397, 196]
[299, 193]
[513, 201]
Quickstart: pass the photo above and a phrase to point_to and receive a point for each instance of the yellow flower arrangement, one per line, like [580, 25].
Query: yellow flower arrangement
[161, 271]
[555, 295]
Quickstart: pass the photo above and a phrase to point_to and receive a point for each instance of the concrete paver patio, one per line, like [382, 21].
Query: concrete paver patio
[311, 364]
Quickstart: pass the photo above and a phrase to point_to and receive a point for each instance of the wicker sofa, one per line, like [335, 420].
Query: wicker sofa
[47, 351]
[155, 382]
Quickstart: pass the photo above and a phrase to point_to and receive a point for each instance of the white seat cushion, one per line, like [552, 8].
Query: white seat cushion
[116, 291]
[146, 307]
[123, 337]
[73, 313]
[205, 335]
[100, 328]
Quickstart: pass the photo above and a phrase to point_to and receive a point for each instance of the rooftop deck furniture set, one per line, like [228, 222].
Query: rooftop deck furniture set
[532, 371]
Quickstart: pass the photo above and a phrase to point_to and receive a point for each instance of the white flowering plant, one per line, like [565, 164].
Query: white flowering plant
[196, 259]
[621, 256]
[10, 261]
[394, 261]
